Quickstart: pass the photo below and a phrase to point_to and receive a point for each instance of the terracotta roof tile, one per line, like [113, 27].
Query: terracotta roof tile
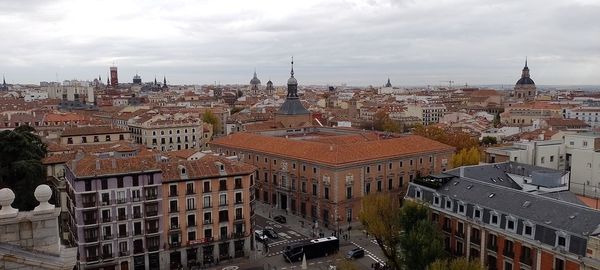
[205, 167]
[332, 153]
[90, 130]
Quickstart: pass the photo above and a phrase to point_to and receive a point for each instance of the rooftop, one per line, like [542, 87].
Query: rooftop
[333, 149]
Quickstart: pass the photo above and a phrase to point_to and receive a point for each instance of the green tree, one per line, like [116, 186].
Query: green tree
[21, 169]
[489, 140]
[405, 236]
[210, 118]
[452, 137]
[461, 263]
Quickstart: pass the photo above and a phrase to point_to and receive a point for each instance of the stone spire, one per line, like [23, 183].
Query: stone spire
[525, 72]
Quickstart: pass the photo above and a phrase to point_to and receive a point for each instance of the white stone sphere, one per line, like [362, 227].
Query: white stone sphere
[43, 193]
[7, 197]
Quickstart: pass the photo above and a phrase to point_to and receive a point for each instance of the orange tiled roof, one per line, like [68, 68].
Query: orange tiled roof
[58, 158]
[63, 117]
[332, 153]
[204, 167]
[92, 166]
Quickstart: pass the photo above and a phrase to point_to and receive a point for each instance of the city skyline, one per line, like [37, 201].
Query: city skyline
[354, 42]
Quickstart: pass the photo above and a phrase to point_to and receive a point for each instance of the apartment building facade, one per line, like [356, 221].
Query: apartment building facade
[508, 228]
[583, 160]
[115, 207]
[93, 135]
[322, 173]
[167, 132]
[429, 113]
[208, 210]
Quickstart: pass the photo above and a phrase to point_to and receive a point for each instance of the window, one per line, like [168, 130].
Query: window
[390, 184]
[348, 192]
[551, 158]
[222, 185]
[367, 188]
[190, 204]
[378, 186]
[326, 193]
[508, 265]
[173, 190]
[191, 220]
[584, 143]
[314, 189]
[418, 194]
[528, 229]
[448, 203]
[120, 182]
[206, 186]
[559, 264]
[561, 240]
[542, 160]
[462, 209]
[401, 164]
[189, 188]
[436, 200]
[477, 213]
[494, 219]
[223, 199]
[104, 184]
[379, 167]
[510, 224]
[368, 169]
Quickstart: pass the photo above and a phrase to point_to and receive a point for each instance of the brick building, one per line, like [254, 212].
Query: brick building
[208, 210]
[507, 219]
[115, 205]
[321, 173]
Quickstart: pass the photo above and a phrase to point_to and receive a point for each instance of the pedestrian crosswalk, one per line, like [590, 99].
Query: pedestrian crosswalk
[289, 234]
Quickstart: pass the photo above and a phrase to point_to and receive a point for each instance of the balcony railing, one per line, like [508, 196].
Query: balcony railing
[239, 235]
[138, 250]
[123, 234]
[151, 213]
[223, 203]
[121, 200]
[152, 230]
[225, 219]
[151, 196]
[189, 192]
[509, 253]
[447, 228]
[208, 221]
[124, 253]
[107, 256]
[459, 234]
[136, 199]
[106, 219]
[492, 247]
[108, 236]
[209, 205]
[173, 209]
[238, 186]
[475, 240]
[153, 248]
[122, 217]
[91, 239]
[137, 214]
[174, 227]
[239, 217]
[206, 190]
[174, 244]
[239, 202]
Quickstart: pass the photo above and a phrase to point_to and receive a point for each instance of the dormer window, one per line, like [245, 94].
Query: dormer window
[462, 208]
[477, 213]
[448, 203]
[418, 194]
[494, 219]
[562, 240]
[182, 170]
[528, 229]
[511, 224]
[437, 200]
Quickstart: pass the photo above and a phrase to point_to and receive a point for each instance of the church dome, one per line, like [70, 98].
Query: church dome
[255, 81]
[525, 80]
[269, 82]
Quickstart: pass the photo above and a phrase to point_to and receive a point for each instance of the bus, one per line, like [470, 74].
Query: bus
[312, 249]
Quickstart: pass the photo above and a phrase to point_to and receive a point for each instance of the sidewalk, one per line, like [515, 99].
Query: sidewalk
[305, 226]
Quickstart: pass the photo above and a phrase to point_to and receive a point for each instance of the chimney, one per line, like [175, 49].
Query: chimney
[114, 163]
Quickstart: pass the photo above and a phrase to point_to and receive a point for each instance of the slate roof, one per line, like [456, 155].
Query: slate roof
[292, 107]
[541, 210]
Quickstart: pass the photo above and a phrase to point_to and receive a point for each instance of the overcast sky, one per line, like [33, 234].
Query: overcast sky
[414, 42]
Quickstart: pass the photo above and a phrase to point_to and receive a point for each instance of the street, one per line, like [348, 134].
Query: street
[297, 229]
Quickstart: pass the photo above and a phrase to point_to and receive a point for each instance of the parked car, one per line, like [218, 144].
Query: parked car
[280, 219]
[355, 253]
[268, 231]
[260, 235]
